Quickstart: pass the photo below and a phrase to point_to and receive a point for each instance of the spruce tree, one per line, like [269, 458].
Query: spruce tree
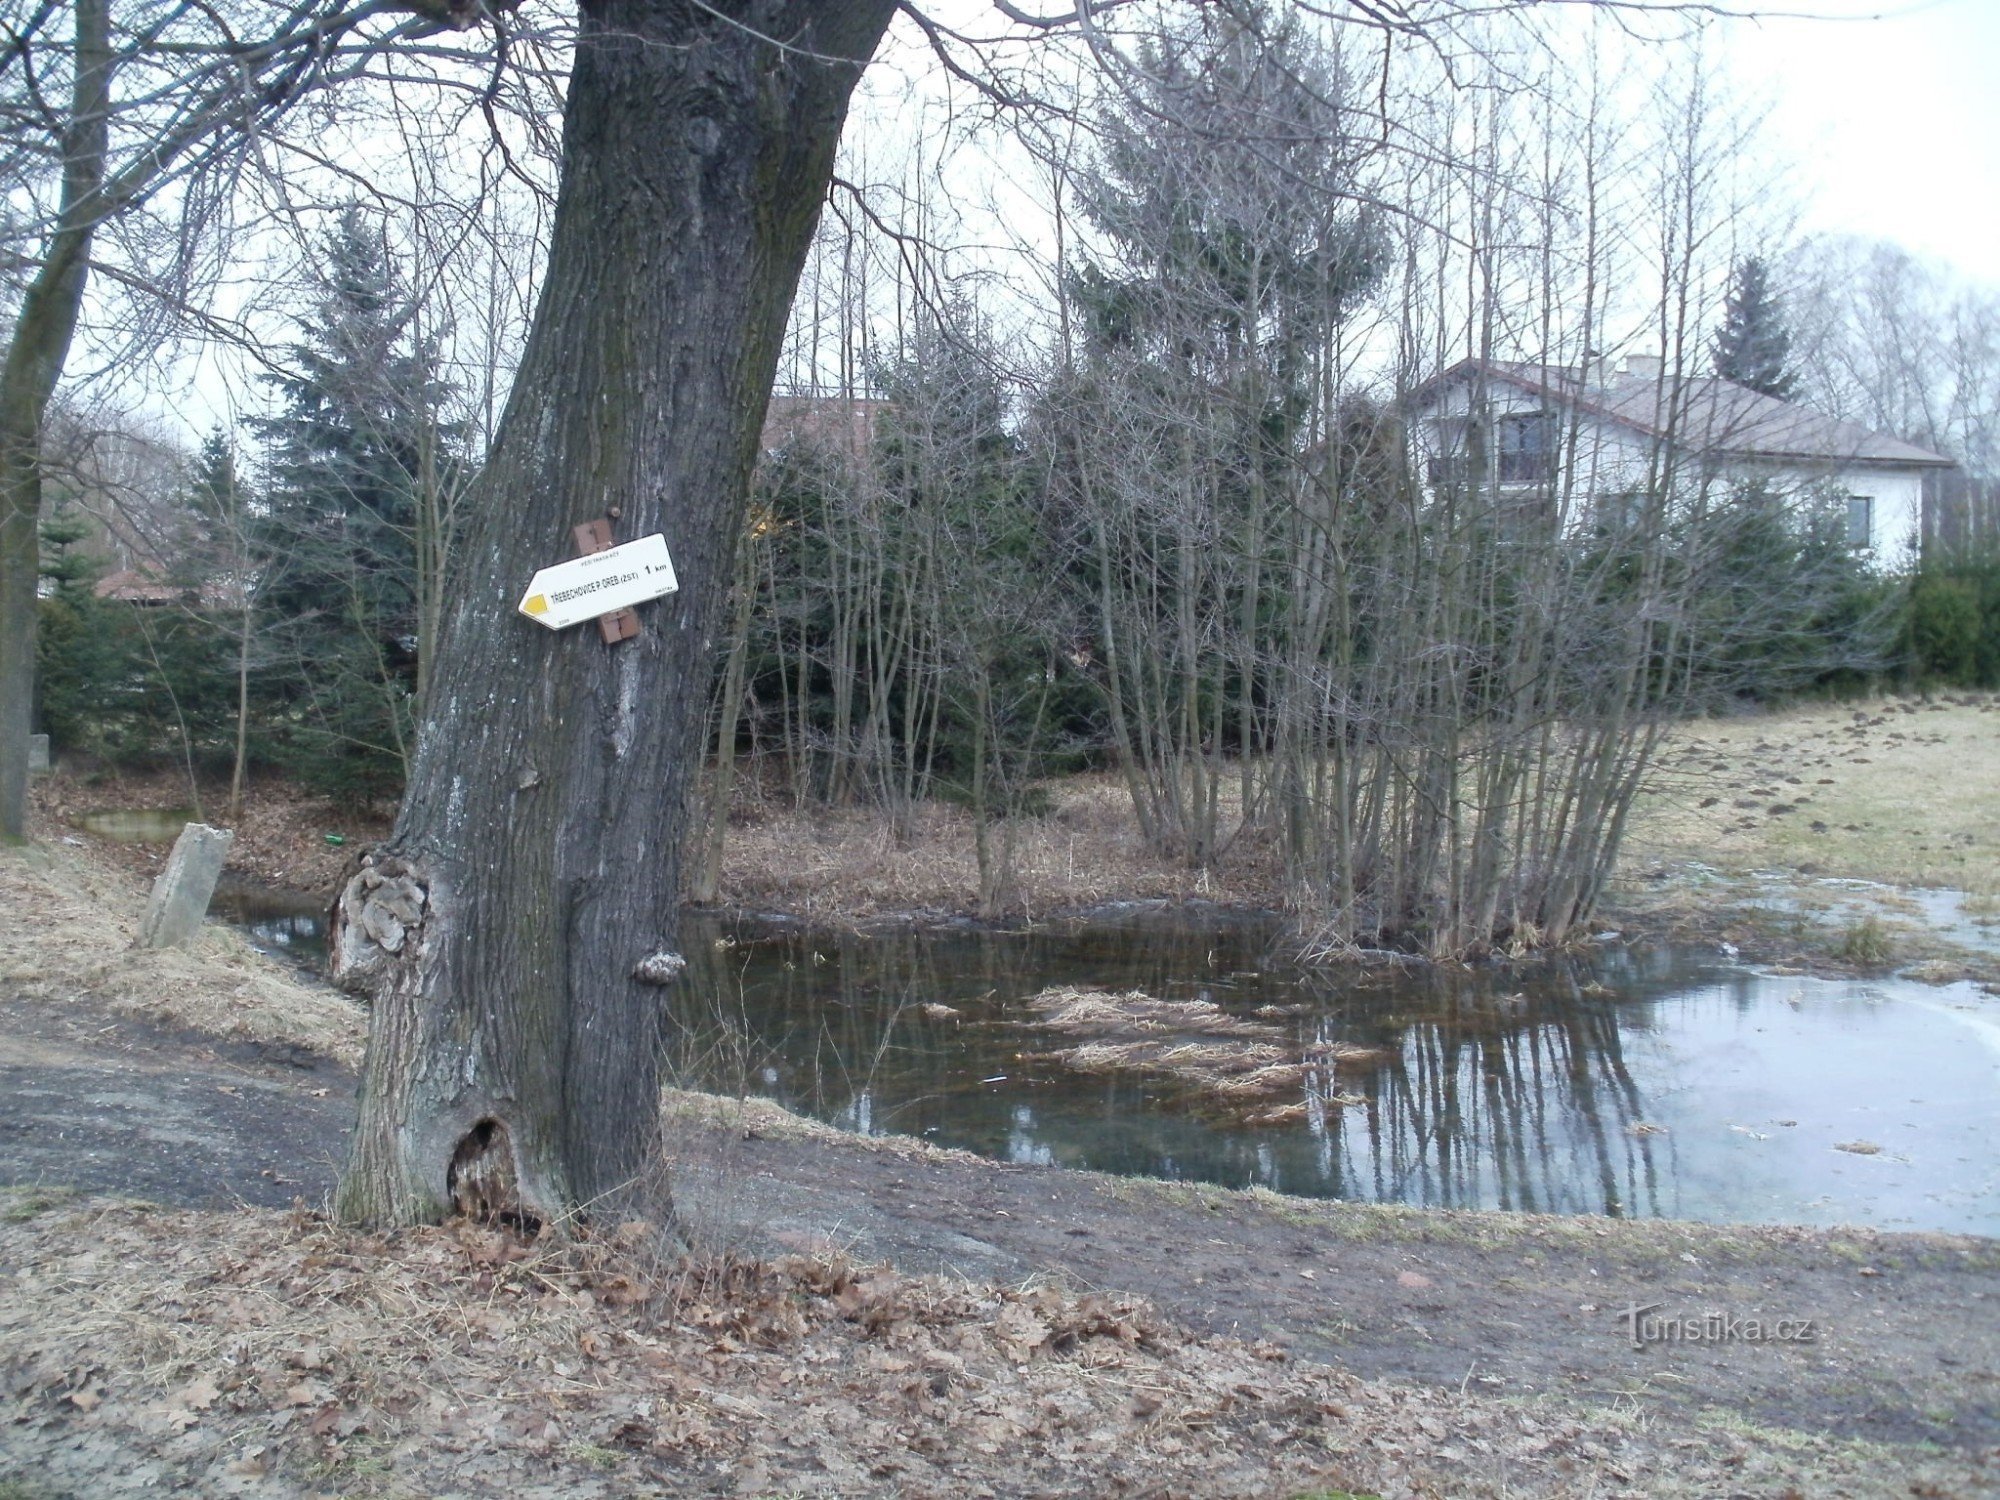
[226, 509]
[344, 460]
[76, 663]
[1225, 193]
[1753, 346]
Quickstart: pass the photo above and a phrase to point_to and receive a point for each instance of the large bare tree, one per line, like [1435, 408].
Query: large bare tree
[516, 931]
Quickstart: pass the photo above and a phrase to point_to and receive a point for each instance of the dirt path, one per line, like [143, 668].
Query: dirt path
[98, 1103]
[1908, 1327]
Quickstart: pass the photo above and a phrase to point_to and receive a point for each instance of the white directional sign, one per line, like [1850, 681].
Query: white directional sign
[572, 592]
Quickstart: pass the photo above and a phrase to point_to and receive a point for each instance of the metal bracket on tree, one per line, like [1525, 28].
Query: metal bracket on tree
[601, 575]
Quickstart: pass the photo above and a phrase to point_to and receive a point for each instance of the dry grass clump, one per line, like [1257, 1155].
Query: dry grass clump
[1225, 1070]
[846, 864]
[1259, 1071]
[71, 920]
[1866, 944]
[1273, 1077]
[265, 1353]
[1134, 1013]
[1229, 1060]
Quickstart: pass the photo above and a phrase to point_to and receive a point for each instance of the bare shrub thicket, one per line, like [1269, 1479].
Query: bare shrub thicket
[1210, 534]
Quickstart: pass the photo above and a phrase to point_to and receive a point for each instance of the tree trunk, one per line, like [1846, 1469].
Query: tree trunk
[517, 929]
[34, 361]
[729, 714]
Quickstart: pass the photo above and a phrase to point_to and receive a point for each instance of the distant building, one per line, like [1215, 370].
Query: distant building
[845, 424]
[130, 586]
[142, 587]
[1591, 438]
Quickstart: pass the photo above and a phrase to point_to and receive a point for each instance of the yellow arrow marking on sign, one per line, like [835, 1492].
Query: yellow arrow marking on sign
[537, 604]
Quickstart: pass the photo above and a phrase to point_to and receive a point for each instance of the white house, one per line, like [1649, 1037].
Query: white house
[1595, 435]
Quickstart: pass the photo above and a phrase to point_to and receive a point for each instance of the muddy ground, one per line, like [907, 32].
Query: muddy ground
[1841, 837]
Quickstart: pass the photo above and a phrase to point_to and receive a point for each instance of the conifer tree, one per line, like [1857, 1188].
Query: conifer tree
[1224, 196]
[225, 508]
[77, 663]
[355, 440]
[1753, 347]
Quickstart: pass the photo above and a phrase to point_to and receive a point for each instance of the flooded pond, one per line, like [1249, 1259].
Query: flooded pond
[1653, 1084]
[1650, 1084]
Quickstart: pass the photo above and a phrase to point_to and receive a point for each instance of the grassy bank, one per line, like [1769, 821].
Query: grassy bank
[71, 917]
[1897, 790]
[1807, 837]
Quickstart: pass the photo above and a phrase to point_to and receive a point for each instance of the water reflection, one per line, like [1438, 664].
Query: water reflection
[1649, 1084]
[289, 924]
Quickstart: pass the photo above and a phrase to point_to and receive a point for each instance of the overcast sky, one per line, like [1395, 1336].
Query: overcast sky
[1893, 110]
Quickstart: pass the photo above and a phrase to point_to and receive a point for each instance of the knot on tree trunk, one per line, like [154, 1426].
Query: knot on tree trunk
[663, 967]
[377, 922]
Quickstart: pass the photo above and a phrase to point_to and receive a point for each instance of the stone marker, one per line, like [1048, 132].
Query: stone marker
[38, 752]
[180, 895]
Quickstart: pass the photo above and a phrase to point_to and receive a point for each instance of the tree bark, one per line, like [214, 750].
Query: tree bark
[34, 360]
[517, 930]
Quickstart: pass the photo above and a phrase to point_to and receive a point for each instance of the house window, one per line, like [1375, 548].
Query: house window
[1524, 448]
[1860, 520]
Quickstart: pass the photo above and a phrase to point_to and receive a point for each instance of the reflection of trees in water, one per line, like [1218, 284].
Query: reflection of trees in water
[1512, 1101]
[1489, 1095]
[1482, 1097]
[823, 1023]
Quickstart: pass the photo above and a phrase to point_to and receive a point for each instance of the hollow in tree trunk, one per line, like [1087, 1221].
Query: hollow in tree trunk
[516, 931]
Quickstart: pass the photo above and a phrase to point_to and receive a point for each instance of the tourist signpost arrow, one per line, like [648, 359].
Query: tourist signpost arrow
[600, 583]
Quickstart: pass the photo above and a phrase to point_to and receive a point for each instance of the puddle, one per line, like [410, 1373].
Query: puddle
[1955, 917]
[137, 825]
[285, 923]
[1948, 915]
[1649, 1084]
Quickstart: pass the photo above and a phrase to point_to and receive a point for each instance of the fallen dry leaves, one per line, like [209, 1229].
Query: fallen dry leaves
[275, 1354]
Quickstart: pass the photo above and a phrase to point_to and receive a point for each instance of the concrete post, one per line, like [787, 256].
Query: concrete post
[38, 753]
[180, 895]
